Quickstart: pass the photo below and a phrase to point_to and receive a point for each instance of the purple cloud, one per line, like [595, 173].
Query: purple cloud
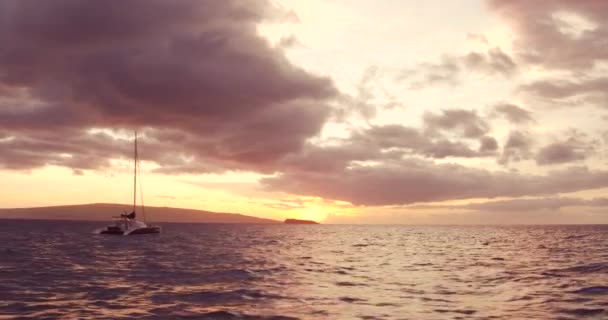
[466, 123]
[193, 70]
[575, 147]
[409, 181]
[517, 148]
[545, 38]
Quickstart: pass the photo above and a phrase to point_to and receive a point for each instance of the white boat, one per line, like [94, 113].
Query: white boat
[127, 223]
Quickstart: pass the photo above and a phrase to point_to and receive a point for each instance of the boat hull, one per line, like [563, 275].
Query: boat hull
[112, 230]
[146, 230]
[120, 232]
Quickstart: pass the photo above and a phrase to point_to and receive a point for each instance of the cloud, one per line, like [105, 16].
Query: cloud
[574, 148]
[409, 181]
[494, 62]
[321, 159]
[369, 98]
[558, 91]
[361, 103]
[513, 113]
[208, 94]
[451, 68]
[488, 145]
[564, 36]
[556, 153]
[444, 148]
[389, 142]
[466, 123]
[411, 140]
[567, 35]
[193, 76]
[68, 148]
[517, 148]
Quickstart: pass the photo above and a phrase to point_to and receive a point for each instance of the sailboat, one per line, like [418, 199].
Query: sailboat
[127, 223]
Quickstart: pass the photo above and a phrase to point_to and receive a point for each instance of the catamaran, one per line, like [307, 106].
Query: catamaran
[127, 223]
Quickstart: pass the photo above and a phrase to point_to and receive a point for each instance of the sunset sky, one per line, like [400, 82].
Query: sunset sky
[359, 111]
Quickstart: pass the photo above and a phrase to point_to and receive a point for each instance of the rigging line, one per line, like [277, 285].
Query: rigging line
[134, 170]
[141, 194]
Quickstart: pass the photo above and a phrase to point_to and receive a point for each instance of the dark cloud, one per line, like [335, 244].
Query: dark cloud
[561, 35]
[576, 147]
[208, 94]
[513, 113]
[193, 75]
[517, 148]
[557, 153]
[409, 181]
[444, 148]
[69, 148]
[380, 143]
[558, 34]
[465, 123]
[488, 145]
[374, 167]
[594, 91]
[322, 159]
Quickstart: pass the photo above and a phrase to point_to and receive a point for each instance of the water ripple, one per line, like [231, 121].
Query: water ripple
[60, 270]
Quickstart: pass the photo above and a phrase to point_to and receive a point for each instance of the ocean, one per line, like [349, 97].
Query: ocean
[62, 270]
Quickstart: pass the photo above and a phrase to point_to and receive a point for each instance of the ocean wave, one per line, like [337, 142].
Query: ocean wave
[597, 290]
[263, 272]
[349, 284]
[351, 299]
[211, 297]
[599, 267]
[584, 312]
[228, 315]
[460, 311]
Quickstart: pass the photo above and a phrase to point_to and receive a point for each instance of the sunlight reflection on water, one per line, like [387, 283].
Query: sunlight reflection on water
[54, 269]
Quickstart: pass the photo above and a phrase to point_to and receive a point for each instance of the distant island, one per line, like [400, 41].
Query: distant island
[298, 221]
[105, 211]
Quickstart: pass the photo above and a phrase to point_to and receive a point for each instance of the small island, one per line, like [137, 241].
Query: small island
[298, 221]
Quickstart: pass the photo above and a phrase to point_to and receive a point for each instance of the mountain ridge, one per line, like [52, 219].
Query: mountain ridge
[105, 212]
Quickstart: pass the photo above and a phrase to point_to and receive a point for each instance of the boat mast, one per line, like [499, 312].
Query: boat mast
[135, 173]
